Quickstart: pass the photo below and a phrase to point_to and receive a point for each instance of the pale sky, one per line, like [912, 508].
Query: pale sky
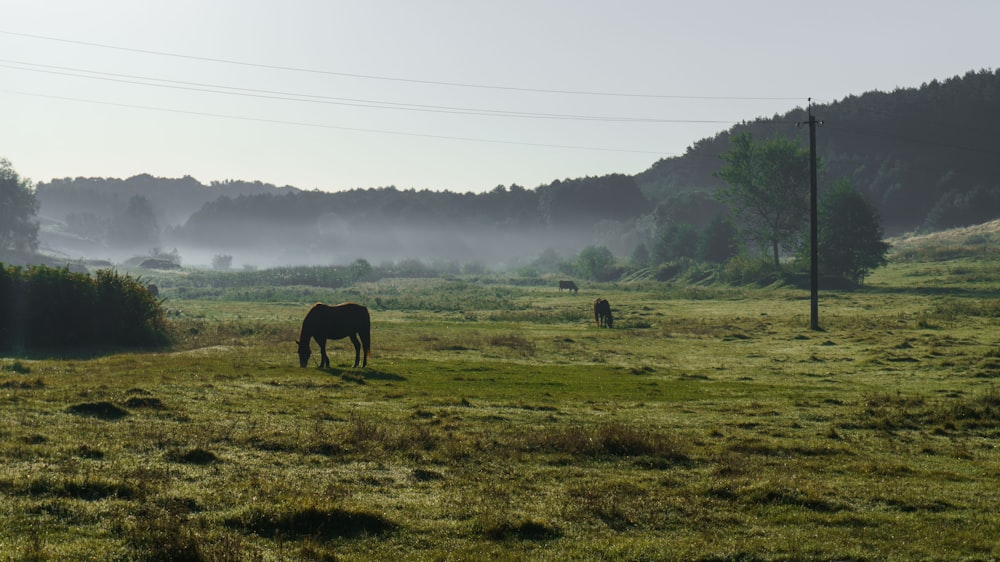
[461, 95]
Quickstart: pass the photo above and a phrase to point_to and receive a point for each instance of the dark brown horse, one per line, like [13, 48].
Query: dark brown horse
[324, 322]
[602, 313]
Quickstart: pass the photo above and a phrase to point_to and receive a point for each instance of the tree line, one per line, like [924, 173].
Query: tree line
[924, 157]
[916, 156]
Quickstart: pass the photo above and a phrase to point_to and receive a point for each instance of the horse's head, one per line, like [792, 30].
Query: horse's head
[611, 320]
[304, 352]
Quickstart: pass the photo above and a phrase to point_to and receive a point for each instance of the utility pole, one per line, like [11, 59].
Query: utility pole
[813, 226]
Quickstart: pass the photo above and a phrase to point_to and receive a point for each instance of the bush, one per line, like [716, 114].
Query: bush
[46, 308]
[743, 270]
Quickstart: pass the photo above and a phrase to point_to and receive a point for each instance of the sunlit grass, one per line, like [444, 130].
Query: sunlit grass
[508, 426]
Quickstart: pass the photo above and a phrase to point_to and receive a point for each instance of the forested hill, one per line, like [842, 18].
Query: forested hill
[926, 157]
[172, 199]
[440, 225]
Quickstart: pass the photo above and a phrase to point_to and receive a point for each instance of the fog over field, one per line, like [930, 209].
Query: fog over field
[263, 226]
[262, 245]
[379, 244]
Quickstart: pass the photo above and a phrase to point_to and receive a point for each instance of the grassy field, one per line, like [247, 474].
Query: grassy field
[495, 421]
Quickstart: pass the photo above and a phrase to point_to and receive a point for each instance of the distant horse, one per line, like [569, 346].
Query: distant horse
[569, 286]
[324, 322]
[153, 289]
[602, 313]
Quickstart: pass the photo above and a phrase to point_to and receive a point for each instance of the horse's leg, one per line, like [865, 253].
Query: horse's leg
[325, 361]
[357, 351]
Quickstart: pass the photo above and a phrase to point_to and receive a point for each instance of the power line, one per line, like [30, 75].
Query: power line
[333, 127]
[312, 98]
[397, 79]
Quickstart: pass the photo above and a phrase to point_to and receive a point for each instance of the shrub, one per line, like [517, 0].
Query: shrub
[743, 270]
[45, 308]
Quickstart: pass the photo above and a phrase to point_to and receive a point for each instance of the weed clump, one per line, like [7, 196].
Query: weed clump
[101, 410]
[896, 412]
[88, 452]
[161, 536]
[515, 342]
[611, 440]
[194, 456]
[87, 489]
[522, 530]
[325, 523]
[23, 385]
[17, 367]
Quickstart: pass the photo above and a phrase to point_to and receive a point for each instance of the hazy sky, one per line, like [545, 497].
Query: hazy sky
[447, 94]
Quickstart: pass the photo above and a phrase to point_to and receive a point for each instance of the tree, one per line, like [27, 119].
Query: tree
[222, 262]
[768, 189]
[137, 227]
[596, 262]
[679, 240]
[18, 211]
[640, 256]
[964, 207]
[361, 270]
[719, 241]
[850, 235]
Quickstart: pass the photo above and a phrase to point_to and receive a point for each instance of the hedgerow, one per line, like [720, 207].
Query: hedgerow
[49, 308]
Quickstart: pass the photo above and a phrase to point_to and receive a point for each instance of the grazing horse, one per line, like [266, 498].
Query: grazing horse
[153, 289]
[569, 286]
[602, 313]
[324, 322]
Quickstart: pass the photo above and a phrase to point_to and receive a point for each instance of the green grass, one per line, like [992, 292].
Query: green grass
[496, 421]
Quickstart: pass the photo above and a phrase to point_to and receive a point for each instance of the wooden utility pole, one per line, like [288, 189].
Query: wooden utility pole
[813, 227]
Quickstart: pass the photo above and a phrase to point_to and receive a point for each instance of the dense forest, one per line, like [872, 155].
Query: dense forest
[924, 157]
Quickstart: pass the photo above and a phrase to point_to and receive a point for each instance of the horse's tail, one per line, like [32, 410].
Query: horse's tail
[365, 333]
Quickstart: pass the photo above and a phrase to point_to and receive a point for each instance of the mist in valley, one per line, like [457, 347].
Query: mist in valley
[255, 244]
[256, 226]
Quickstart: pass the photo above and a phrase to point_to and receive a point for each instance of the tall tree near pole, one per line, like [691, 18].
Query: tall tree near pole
[766, 190]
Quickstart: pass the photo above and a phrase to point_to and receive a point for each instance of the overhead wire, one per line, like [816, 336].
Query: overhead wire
[354, 102]
[312, 98]
[396, 78]
[377, 104]
[322, 126]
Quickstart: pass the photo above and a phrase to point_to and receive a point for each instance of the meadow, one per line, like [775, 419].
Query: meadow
[495, 421]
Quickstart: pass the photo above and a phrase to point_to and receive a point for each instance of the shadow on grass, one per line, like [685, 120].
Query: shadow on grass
[81, 353]
[930, 290]
[362, 375]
